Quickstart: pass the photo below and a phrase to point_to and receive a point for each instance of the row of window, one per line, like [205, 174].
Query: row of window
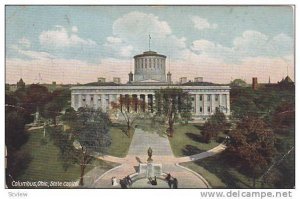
[92, 98]
[157, 63]
[208, 97]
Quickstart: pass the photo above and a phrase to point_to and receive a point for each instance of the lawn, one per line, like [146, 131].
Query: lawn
[120, 141]
[219, 174]
[45, 164]
[211, 178]
[187, 140]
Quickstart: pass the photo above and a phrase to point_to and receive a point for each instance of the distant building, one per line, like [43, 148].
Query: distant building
[254, 83]
[287, 82]
[183, 80]
[117, 80]
[21, 84]
[198, 79]
[10, 87]
[101, 79]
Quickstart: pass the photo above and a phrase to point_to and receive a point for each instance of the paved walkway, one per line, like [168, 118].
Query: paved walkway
[162, 154]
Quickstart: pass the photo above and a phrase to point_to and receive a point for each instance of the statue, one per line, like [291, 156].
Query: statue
[149, 155]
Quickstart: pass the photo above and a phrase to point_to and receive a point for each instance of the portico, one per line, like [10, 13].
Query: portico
[205, 99]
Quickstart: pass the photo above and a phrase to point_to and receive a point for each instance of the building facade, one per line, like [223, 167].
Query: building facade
[150, 76]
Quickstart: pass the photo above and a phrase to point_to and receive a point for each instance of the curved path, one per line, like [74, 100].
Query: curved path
[162, 153]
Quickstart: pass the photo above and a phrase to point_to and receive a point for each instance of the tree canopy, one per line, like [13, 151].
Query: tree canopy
[173, 104]
[251, 146]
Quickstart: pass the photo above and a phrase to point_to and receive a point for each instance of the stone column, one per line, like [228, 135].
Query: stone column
[227, 104]
[103, 103]
[204, 108]
[109, 101]
[88, 100]
[220, 102]
[95, 101]
[197, 104]
[213, 104]
[73, 100]
[146, 102]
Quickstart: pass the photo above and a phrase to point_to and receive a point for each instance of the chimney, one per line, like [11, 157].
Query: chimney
[183, 80]
[117, 80]
[169, 79]
[130, 77]
[254, 83]
[101, 79]
[198, 79]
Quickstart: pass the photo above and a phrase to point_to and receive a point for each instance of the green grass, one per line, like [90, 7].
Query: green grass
[46, 165]
[120, 141]
[187, 140]
[220, 175]
[211, 178]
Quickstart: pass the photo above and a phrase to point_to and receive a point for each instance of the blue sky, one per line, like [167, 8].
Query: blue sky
[72, 44]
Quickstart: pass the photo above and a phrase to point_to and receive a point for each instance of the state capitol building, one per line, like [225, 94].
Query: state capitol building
[149, 76]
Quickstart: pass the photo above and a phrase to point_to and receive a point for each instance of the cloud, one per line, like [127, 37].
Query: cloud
[253, 43]
[36, 55]
[131, 35]
[117, 47]
[249, 44]
[114, 40]
[202, 23]
[74, 29]
[24, 42]
[138, 24]
[61, 38]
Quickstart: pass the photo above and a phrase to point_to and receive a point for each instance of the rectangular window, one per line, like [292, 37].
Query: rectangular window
[208, 97]
[216, 97]
[92, 98]
[200, 109]
[208, 109]
[83, 100]
[200, 98]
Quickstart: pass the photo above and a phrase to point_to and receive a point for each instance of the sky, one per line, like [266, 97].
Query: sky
[77, 44]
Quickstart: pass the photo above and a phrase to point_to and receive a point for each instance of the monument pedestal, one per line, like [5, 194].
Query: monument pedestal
[150, 170]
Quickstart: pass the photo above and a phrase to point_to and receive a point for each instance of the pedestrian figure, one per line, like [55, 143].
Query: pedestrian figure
[129, 180]
[175, 183]
[114, 181]
[123, 184]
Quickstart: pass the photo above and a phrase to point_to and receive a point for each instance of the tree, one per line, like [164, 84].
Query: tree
[213, 126]
[59, 100]
[131, 109]
[238, 83]
[284, 116]
[51, 110]
[15, 137]
[251, 146]
[89, 135]
[173, 104]
[36, 97]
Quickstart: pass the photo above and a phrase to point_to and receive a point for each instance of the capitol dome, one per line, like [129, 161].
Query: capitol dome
[150, 66]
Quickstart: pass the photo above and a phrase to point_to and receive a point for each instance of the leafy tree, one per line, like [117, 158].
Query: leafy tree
[61, 97]
[51, 110]
[213, 126]
[131, 109]
[284, 116]
[89, 134]
[36, 97]
[173, 104]
[15, 137]
[238, 83]
[251, 146]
